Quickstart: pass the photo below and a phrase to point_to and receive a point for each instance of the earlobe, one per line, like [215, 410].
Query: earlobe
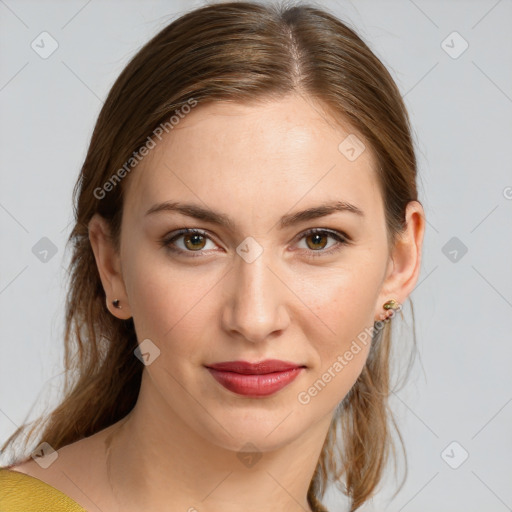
[109, 267]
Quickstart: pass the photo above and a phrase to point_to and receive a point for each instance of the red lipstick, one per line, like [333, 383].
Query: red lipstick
[255, 379]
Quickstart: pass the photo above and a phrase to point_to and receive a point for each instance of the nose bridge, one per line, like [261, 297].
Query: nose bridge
[256, 308]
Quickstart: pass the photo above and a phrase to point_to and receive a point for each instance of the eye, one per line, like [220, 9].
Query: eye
[194, 241]
[316, 235]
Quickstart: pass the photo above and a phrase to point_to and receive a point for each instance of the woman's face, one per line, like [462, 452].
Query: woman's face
[257, 287]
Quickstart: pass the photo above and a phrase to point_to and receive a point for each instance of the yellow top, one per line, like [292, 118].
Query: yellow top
[23, 493]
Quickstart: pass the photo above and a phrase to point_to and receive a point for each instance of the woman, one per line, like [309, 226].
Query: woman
[247, 224]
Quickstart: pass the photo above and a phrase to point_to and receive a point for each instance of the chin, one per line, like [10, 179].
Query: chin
[267, 430]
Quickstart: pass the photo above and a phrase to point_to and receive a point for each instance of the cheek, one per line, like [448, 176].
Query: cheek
[343, 308]
[168, 302]
[343, 301]
[341, 353]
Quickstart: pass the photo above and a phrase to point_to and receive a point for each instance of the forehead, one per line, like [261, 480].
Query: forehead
[242, 158]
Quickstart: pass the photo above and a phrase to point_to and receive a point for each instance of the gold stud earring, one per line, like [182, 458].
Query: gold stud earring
[392, 305]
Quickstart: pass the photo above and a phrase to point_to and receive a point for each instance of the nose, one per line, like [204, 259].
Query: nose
[255, 307]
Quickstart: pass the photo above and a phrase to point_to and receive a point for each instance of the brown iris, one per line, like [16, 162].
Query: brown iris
[316, 236]
[195, 238]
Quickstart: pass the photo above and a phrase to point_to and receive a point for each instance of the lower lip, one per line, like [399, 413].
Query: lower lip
[255, 385]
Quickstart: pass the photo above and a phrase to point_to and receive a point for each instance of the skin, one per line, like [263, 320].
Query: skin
[177, 449]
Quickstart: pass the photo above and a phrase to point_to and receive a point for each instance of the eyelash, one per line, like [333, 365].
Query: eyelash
[340, 237]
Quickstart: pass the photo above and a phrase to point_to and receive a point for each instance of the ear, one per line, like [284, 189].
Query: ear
[108, 262]
[405, 261]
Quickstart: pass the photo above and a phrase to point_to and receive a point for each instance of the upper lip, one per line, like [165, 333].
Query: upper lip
[258, 368]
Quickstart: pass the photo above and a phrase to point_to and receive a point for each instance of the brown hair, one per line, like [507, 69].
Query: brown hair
[236, 51]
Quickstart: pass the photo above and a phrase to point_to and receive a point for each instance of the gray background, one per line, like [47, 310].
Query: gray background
[461, 108]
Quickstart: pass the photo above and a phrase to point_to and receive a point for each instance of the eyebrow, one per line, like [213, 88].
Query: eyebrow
[214, 217]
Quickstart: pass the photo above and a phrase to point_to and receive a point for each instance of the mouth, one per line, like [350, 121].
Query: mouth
[255, 379]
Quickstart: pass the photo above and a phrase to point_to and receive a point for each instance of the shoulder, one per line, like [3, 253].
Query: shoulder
[21, 492]
[74, 481]
[77, 477]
